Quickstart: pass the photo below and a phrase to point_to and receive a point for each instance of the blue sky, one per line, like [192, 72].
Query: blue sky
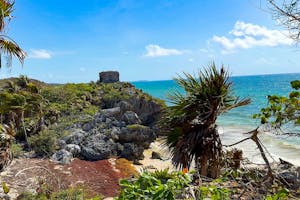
[72, 41]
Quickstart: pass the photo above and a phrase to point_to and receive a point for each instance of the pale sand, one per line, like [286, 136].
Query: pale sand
[156, 164]
[228, 136]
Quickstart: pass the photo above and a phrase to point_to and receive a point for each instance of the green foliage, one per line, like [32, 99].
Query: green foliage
[191, 120]
[9, 48]
[17, 150]
[281, 109]
[5, 188]
[69, 194]
[43, 143]
[157, 185]
[281, 195]
[214, 193]
[74, 193]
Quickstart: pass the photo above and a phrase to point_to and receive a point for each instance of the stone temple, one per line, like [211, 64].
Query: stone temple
[109, 76]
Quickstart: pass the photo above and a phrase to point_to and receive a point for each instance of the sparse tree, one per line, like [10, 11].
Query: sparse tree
[287, 13]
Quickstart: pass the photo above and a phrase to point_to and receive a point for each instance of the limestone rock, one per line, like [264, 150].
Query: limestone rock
[131, 117]
[96, 148]
[138, 134]
[132, 152]
[156, 155]
[73, 148]
[75, 137]
[62, 156]
[110, 112]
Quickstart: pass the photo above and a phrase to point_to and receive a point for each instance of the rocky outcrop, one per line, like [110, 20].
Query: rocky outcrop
[112, 132]
[124, 127]
[109, 77]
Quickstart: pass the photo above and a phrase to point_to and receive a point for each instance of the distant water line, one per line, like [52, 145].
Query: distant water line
[257, 88]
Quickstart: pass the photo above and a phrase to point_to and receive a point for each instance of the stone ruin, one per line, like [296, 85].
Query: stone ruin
[109, 77]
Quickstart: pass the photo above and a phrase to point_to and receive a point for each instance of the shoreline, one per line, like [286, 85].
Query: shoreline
[228, 136]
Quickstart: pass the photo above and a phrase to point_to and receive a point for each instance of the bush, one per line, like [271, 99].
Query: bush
[17, 150]
[75, 193]
[43, 143]
[157, 185]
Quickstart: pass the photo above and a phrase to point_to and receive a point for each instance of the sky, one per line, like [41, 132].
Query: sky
[74, 40]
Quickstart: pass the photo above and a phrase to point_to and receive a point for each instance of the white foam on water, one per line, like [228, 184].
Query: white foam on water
[277, 146]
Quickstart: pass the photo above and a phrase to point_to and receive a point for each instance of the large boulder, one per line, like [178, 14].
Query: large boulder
[98, 148]
[110, 112]
[130, 117]
[138, 134]
[132, 152]
[109, 77]
[147, 110]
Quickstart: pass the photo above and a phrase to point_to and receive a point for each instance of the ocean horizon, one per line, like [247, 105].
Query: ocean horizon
[234, 123]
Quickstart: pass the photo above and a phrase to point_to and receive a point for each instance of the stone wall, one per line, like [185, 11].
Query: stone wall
[109, 77]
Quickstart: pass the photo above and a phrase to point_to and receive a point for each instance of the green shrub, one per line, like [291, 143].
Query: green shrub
[17, 150]
[43, 143]
[214, 193]
[69, 194]
[157, 185]
[75, 193]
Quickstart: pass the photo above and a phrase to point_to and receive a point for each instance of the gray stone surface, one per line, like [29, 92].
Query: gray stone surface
[110, 112]
[130, 117]
[75, 137]
[74, 149]
[109, 77]
[62, 156]
[132, 152]
[98, 149]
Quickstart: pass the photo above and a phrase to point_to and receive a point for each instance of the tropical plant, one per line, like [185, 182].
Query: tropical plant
[8, 47]
[190, 122]
[43, 143]
[282, 110]
[157, 185]
[6, 138]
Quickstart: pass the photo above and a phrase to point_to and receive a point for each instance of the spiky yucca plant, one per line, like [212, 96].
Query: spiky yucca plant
[190, 122]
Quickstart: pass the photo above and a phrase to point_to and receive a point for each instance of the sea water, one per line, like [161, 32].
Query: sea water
[234, 123]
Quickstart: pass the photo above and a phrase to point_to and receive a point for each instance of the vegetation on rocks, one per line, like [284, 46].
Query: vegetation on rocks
[41, 113]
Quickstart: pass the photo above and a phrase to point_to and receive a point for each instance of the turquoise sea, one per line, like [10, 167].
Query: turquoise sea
[240, 120]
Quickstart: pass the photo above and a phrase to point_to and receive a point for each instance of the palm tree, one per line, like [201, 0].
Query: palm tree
[8, 47]
[190, 123]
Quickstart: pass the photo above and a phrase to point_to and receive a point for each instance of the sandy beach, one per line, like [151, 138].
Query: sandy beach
[228, 136]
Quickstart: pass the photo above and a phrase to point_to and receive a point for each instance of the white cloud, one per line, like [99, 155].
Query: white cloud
[156, 51]
[40, 54]
[191, 60]
[247, 35]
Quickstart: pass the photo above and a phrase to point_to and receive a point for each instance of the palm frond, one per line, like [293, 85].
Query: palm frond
[190, 122]
[6, 8]
[11, 48]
